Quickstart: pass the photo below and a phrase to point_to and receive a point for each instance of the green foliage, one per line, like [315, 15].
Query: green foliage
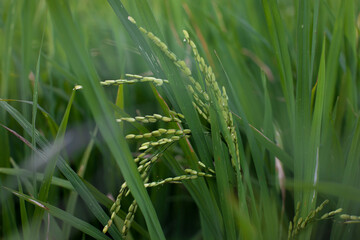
[182, 119]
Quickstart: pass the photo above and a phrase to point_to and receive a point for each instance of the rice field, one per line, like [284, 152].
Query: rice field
[183, 119]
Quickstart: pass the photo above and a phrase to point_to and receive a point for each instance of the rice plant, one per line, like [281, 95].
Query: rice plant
[179, 119]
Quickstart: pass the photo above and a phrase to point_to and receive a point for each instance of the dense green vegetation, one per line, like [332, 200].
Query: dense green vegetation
[244, 126]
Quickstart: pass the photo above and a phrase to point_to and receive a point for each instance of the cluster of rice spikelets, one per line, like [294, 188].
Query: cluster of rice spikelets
[201, 97]
[299, 223]
[149, 155]
[134, 79]
[150, 151]
[221, 97]
[350, 218]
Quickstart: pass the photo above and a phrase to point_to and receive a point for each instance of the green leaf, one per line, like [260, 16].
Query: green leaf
[278, 38]
[222, 177]
[50, 167]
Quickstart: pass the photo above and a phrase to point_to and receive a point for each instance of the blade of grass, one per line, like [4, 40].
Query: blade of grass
[303, 161]
[27, 34]
[222, 177]
[314, 36]
[35, 93]
[312, 166]
[23, 213]
[303, 93]
[316, 126]
[277, 33]
[34, 106]
[20, 172]
[332, 62]
[268, 125]
[50, 167]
